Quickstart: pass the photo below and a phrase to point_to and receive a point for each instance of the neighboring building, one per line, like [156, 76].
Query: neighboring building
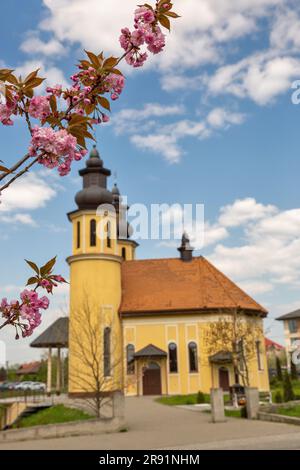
[291, 323]
[155, 311]
[275, 350]
[273, 347]
[31, 368]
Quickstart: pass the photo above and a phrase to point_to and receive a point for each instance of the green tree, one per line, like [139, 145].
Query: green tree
[3, 374]
[278, 369]
[294, 374]
[288, 392]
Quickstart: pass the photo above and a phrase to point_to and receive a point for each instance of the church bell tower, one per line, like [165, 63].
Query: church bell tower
[95, 282]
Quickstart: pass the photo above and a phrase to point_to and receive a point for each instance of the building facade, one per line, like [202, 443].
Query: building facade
[143, 326]
[291, 323]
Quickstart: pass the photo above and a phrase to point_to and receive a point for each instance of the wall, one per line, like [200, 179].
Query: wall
[182, 329]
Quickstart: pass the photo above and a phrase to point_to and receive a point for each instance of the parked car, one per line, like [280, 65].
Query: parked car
[4, 386]
[38, 386]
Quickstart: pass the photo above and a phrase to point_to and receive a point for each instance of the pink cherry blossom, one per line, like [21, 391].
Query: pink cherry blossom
[59, 148]
[144, 14]
[6, 111]
[39, 107]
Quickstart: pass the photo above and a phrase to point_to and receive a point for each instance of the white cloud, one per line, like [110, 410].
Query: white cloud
[164, 139]
[159, 143]
[24, 219]
[220, 118]
[127, 120]
[269, 247]
[243, 211]
[28, 193]
[254, 287]
[35, 46]
[260, 77]
[285, 31]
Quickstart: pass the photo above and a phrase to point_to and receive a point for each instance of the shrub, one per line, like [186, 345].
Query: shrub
[200, 397]
[278, 398]
[189, 401]
[244, 412]
[288, 392]
[274, 382]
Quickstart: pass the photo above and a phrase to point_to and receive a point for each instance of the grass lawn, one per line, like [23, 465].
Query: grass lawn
[176, 400]
[293, 411]
[55, 414]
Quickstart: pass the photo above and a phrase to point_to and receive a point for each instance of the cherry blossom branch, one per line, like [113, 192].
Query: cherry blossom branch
[64, 140]
[18, 175]
[15, 166]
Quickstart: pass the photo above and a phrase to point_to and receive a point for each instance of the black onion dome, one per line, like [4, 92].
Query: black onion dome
[94, 192]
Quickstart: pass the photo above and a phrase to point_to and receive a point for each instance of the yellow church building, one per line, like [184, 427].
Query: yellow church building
[141, 326]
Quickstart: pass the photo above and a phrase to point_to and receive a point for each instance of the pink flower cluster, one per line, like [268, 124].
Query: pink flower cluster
[6, 111]
[27, 310]
[59, 148]
[115, 84]
[146, 32]
[39, 107]
[56, 90]
[48, 285]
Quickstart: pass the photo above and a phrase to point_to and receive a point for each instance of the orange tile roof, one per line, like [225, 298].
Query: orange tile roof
[31, 368]
[272, 345]
[161, 285]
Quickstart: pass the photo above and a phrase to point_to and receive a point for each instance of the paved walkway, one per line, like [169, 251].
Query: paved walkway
[155, 426]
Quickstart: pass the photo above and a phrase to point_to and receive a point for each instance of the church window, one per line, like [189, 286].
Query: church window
[173, 365]
[130, 350]
[193, 357]
[108, 235]
[93, 239]
[78, 235]
[124, 254]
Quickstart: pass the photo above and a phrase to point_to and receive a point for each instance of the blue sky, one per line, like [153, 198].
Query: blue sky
[210, 121]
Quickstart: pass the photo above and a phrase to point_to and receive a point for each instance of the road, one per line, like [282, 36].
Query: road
[154, 426]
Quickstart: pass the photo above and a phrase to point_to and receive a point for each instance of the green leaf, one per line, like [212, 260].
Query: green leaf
[47, 268]
[33, 266]
[165, 22]
[32, 280]
[93, 58]
[31, 76]
[53, 104]
[104, 102]
[171, 14]
[110, 62]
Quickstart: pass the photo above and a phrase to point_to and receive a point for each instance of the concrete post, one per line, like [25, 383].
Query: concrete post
[49, 372]
[217, 405]
[118, 404]
[252, 402]
[58, 373]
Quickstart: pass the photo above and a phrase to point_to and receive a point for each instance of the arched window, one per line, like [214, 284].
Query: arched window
[93, 227]
[124, 254]
[193, 357]
[106, 351]
[108, 235]
[78, 235]
[173, 366]
[130, 350]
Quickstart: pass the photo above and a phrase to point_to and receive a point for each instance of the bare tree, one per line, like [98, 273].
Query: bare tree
[95, 368]
[238, 334]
